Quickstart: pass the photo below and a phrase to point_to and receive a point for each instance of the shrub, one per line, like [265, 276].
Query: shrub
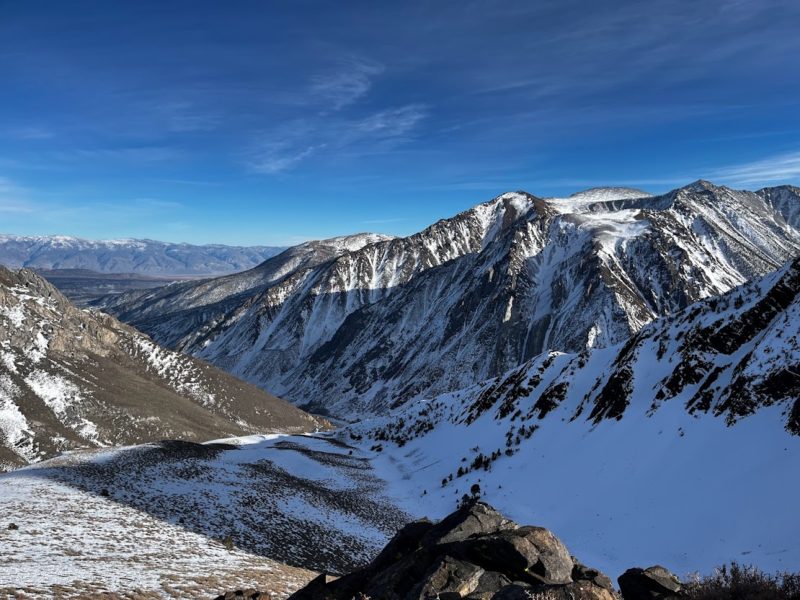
[737, 582]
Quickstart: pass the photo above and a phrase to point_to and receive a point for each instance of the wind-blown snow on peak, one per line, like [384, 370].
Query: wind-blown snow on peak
[351, 243]
[499, 214]
[468, 297]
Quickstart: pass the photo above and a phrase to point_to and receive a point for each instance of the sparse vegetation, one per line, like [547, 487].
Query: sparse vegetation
[738, 582]
[228, 543]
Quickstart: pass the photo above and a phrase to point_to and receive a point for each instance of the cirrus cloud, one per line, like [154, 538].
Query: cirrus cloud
[781, 167]
[288, 146]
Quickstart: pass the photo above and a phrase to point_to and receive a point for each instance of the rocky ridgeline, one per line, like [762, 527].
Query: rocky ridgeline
[477, 554]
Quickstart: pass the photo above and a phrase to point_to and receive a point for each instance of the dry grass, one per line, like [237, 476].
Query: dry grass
[737, 582]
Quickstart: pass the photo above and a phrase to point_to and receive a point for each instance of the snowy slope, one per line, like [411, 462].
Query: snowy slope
[671, 448]
[146, 257]
[153, 521]
[470, 297]
[71, 378]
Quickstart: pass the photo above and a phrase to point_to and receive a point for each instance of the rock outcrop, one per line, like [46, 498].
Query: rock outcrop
[475, 553]
[653, 583]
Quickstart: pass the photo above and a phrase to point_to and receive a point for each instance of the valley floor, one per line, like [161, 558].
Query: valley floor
[189, 520]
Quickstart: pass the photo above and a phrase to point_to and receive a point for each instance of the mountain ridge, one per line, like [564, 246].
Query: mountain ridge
[130, 255]
[473, 295]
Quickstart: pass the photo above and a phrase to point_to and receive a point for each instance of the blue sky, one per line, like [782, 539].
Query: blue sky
[274, 122]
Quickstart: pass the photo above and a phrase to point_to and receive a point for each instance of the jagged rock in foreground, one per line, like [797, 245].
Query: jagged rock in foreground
[653, 583]
[474, 553]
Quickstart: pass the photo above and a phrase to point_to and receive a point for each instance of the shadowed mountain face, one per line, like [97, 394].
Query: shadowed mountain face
[357, 329]
[71, 378]
[143, 257]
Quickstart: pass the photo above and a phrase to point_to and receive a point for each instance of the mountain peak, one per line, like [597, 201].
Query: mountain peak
[701, 185]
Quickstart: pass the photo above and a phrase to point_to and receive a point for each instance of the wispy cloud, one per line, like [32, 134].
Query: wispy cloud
[284, 149]
[780, 168]
[280, 156]
[351, 81]
[392, 123]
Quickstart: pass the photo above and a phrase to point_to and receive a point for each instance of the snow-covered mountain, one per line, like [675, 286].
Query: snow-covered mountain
[72, 378]
[144, 257]
[729, 356]
[364, 328]
[677, 447]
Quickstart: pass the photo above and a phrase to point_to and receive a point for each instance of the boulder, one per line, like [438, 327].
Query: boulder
[405, 541]
[579, 590]
[581, 572]
[474, 518]
[449, 578]
[473, 554]
[653, 583]
[529, 554]
[396, 581]
[488, 584]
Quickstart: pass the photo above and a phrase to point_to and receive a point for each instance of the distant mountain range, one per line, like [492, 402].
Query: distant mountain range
[71, 378]
[359, 328]
[143, 257]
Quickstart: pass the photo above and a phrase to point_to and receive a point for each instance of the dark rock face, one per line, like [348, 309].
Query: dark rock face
[653, 583]
[474, 553]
